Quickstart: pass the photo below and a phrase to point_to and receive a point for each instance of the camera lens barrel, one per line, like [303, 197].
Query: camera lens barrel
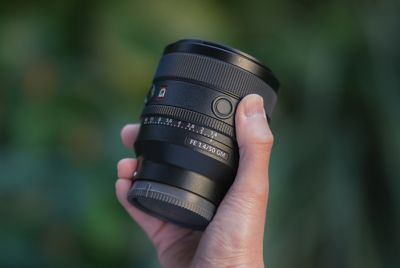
[187, 150]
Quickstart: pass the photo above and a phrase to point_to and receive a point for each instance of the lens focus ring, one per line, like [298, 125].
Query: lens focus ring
[218, 74]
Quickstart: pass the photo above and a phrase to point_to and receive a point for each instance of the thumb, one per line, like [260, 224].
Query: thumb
[238, 226]
[248, 194]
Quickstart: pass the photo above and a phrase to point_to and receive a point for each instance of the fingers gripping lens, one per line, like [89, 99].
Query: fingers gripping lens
[187, 150]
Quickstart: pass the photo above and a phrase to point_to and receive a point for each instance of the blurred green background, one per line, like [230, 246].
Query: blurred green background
[72, 73]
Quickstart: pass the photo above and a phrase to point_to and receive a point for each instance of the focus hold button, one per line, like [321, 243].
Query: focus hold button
[222, 107]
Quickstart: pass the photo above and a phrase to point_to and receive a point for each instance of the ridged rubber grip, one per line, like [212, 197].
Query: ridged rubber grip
[221, 75]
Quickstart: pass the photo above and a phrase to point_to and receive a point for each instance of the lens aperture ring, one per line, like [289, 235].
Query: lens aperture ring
[190, 116]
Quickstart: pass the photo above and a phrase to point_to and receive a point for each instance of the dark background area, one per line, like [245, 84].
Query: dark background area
[72, 73]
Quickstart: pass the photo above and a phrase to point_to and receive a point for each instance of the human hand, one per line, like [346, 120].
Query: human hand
[235, 236]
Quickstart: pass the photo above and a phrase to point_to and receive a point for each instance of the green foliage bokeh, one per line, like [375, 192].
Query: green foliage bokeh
[72, 73]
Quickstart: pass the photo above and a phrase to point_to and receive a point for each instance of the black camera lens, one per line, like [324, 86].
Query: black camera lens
[187, 150]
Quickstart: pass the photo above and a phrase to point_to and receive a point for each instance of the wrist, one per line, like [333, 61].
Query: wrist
[228, 262]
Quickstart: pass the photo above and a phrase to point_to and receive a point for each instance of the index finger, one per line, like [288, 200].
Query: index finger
[129, 134]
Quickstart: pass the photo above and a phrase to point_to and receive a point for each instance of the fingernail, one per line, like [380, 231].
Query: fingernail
[254, 106]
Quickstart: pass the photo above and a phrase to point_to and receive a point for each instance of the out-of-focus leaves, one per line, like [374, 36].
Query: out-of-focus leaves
[72, 73]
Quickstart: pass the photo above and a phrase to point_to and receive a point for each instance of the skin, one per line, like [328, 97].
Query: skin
[234, 238]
